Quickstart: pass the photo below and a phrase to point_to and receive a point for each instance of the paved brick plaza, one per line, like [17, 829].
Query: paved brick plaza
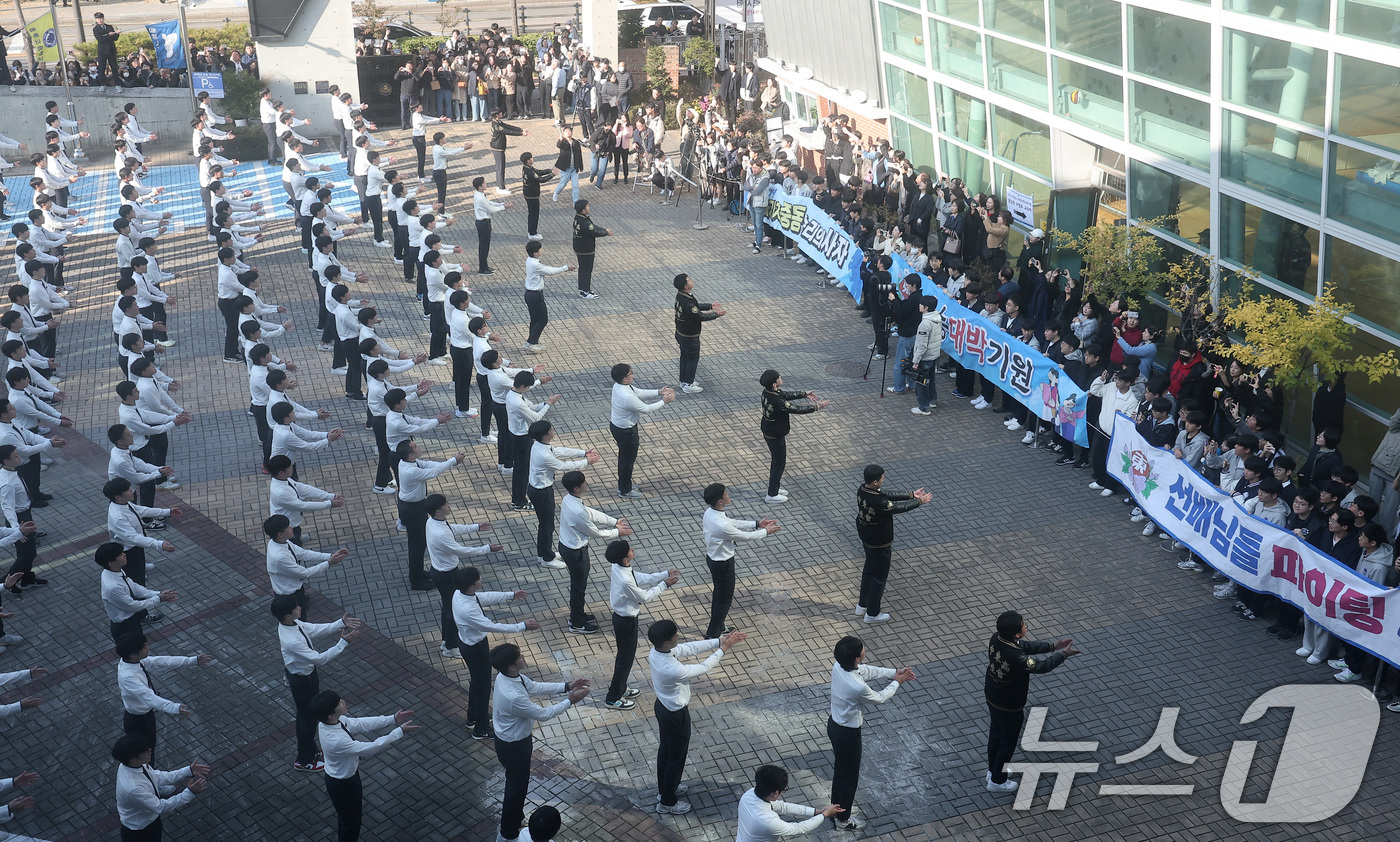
[1007, 529]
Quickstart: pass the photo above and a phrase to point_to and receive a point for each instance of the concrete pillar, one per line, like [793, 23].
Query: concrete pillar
[600, 27]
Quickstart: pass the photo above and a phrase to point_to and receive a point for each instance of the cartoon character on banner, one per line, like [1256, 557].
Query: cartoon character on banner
[1141, 473]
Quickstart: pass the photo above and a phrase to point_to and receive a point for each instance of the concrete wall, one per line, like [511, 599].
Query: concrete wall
[600, 27]
[319, 48]
[165, 111]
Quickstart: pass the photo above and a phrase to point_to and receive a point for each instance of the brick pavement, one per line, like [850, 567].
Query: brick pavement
[1007, 529]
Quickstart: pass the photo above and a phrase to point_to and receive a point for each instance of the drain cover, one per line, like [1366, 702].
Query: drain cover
[846, 369]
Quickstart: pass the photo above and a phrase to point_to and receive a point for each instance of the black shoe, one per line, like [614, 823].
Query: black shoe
[39, 495]
[1272, 631]
[1287, 634]
[357, 397]
[1079, 466]
[40, 534]
[420, 586]
[38, 504]
[487, 271]
[588, 627]
[152, 617]
[1065, 460]
[488, 734]
[528, 507]
[1057, 448]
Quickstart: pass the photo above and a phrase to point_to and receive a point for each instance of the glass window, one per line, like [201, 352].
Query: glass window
[1375, 20]
[1090, 96]
[908, 94]
[1006, 178]
[1308, 12]
[1365, 191]
[962, 116]
[963, 10]
[1273, 159]
[1021, 140]
[1367, 102]
[1367, 281]
[957, 51]
[1018, 72]
[902, 33]
[1170, 48]
[1280, 77]
[1021, 18]
[1090, 28]
[916, 143]
[972, 168]
[1182, 206]
[1274, 246]
[911, 3]
[1173, 124]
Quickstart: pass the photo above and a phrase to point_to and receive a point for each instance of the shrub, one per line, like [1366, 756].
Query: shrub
[413, 46]
[247, 144]
[241, 98]
[629, 29]
[530, 39]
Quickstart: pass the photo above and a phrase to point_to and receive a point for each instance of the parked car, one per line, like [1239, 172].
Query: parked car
[397, 30]
[682, 13]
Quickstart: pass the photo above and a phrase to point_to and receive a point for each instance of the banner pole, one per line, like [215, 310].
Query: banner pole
[78, 153]
[189, 65]
[28, 42]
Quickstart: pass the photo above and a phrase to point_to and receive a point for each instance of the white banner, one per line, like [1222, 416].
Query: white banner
[1254, 553]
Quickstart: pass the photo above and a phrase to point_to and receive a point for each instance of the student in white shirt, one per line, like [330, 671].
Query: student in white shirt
[670, 679]
[535, 272]
[445, 554]
[761, 810]
[127, 525]
[414, 474]
[140, 805]
[721, 531]
[577, 524]
[135, 683]
[128, 603]
[513, 716]
[472, 628]
[379, 387]
[441, 152]
[546, 460]
[850, 692]
[484, 209]
[520, 414]
[419, 127]
[292, 440]
[343, 752]
[293, 499]
[122, 462]
[302, 661]
[629, 590]
[628, 405]
[289, 565]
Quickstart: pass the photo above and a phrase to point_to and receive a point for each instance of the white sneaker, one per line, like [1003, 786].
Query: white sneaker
[872, 619]
[1028, 438]
[552, 564]
[340, 371]
[680, 808]
[1314, 660]
[800, 260]
[1149, 530]
[1338, 663]
[691, 389]
[15, 640]
[536, 237]
[1137, 510]
[505, 472]
[398, 524]
[1008, 786]
[502, 192]
[1346, 676]
[383, 489]
[168, 485]
[917, 411]
[1107, 492]
[470, 413]
[1302, 652]
[491, 439]
[860, 611]
[438, 361]
[448, 653]
[777, 499]
[1095, 486]
[1013, 425]
[1138, 518]
[383, 244]
[979, 403]
[1188, 564]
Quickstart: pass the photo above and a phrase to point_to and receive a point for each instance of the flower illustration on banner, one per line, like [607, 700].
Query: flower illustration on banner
[1140, 472]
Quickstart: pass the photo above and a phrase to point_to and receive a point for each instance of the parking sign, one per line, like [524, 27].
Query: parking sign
[211, 82]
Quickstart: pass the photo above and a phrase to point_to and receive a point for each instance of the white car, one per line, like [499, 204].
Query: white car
[682, 13]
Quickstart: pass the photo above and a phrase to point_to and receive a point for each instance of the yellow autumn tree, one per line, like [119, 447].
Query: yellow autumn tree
[1118, 259]
[1300, 345]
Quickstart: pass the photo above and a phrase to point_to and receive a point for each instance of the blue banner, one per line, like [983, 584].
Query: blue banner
[1021, 372]
[169, 43]
[818, 235]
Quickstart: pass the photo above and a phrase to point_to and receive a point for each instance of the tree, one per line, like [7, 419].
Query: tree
[371, 16]
[700, 55]
[657, 75]
[1300, 345]
[447, 17]
[1118, 259]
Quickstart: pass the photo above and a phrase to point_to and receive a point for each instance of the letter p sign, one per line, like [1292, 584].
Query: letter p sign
[1324, 755]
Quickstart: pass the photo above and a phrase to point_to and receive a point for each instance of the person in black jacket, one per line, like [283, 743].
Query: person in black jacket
[875, 511]
[729, 83]
[1330, 403]
[106, 37]
[407, 77]
[879, 286]
[690, 314]
[531, 179]
[602, 142]
[1322, 461]
[570, 162]
[1011, 659]
[500, 130]
[585, 236]
[777, 406]
[906, 315]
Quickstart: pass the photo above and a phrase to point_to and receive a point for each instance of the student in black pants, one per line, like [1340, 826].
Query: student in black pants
[530, 189]
[343, 753]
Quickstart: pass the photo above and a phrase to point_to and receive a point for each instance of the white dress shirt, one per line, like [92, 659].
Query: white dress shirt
[759, 820]
[379, 387]
[343, 752]
[289, 566]
[484, 207]
[138, 794]
[721, 531]
[442, 153]
[520, 414]
[414, 476]
[630, 588]
[143, 423]
[545, 462]
[472, 622]
[399, 427]
[578, 523]
[291, 498]
[125, 527]
[123, 598]
[513, 715]
[628, 404]
[849, 691]
[120, 463]
[671, 679]
[137, 689]
[444, 551]
[299, 654]
[535, 272]
[294, 440]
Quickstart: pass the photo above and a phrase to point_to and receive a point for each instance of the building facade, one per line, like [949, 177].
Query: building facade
[1263, 133]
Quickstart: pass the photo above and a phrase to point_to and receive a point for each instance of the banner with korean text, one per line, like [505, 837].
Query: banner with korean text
[1254, 553]
[818, 235]
[1025, 374]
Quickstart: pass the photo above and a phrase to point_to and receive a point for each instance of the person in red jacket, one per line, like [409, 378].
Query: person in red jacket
[1131, 326]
